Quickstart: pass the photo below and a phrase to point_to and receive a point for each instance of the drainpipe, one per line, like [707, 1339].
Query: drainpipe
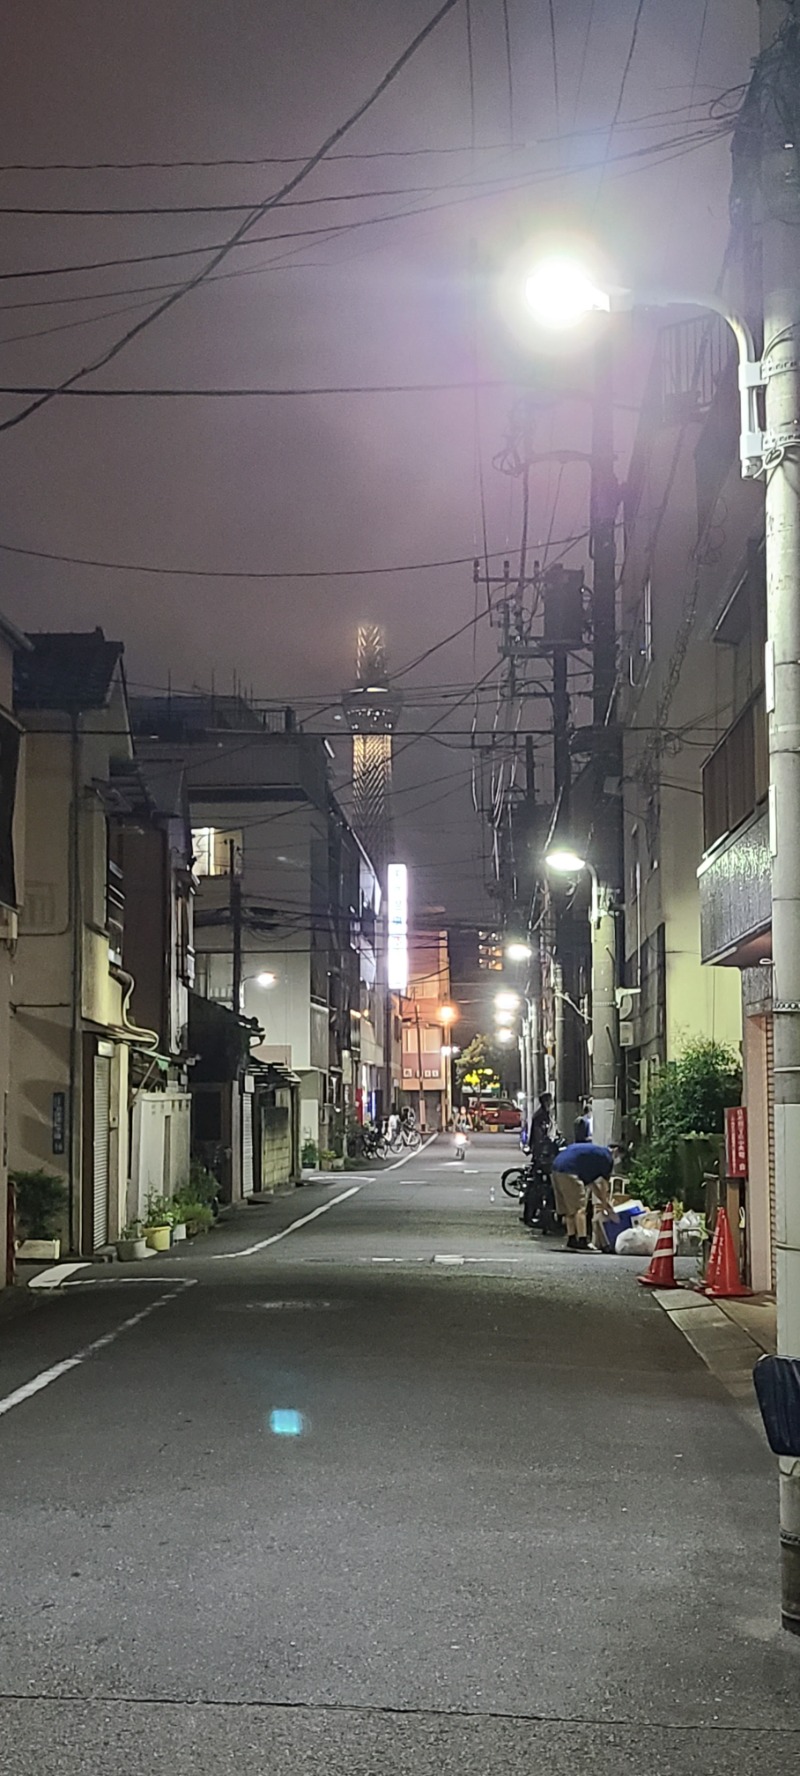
[73, 1181]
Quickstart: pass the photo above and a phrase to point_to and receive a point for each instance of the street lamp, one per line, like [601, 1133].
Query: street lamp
[504, 1035]
[559, 292]
[507, 1001]
[518, 951]
[605, 1013]
[774, 453]
[448, 1014]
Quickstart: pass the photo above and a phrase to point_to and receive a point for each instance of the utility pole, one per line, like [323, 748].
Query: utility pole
[236, 926]
[781, 361]
[607, 846]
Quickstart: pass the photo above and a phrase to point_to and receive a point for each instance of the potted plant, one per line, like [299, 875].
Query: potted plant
[178, 1211]
[41, 1200]
[158, 1223]
[131, 1243]
[309, 1154]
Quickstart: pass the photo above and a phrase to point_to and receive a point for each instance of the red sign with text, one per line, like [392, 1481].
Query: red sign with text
[736, 1142]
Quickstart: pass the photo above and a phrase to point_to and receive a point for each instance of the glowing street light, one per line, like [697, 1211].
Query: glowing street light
[266, 979]
[518, 951]
[504, 1035]
[507, 1001]
[565, 863]
[504, 1017]
[559, 293]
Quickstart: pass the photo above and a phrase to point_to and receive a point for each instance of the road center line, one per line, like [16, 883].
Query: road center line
[47, 1376]
[248, 1251]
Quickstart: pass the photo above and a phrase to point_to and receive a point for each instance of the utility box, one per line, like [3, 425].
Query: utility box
[564, 620]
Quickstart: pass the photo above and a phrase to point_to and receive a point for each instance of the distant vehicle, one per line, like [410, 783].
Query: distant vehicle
[495, 1113]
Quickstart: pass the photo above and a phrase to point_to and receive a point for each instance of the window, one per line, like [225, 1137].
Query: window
[213, 847]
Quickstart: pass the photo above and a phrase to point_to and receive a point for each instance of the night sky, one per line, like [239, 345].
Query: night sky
[345, 482]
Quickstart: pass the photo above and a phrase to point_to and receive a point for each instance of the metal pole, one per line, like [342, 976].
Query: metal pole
[607, 845]
[236, 928]
[605, 1016]
[421, 1090]
[781, 247]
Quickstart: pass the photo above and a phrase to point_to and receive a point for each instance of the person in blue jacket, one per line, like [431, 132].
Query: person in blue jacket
[578, 1170]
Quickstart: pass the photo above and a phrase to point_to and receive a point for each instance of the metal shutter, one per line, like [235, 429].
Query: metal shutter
[102, 1095]
[247, 1143]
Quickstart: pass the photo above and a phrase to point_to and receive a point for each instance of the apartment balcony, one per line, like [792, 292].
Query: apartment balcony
[735, 878]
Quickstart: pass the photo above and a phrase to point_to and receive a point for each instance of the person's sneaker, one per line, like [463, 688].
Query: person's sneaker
[572, 1243]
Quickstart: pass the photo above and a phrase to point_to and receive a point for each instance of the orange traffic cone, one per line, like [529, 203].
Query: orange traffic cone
[722, 1276]
[661, 1270]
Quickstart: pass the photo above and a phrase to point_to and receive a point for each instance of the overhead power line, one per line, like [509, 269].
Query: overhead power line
[628, 160]
[221, 573]
[248, 221]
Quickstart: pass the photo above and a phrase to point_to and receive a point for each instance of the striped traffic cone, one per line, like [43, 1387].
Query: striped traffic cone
[722, 1276]
[661, 1271]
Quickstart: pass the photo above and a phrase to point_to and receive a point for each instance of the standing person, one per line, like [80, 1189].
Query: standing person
[392, 1125]
[541, 1126]
[578, 1171]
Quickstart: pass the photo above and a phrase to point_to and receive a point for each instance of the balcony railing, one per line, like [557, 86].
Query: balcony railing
[115, 912]
[735, 777]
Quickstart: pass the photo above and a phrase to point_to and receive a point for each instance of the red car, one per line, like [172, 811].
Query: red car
[496, 1113]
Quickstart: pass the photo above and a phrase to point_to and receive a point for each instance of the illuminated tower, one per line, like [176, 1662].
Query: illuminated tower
[371, 710]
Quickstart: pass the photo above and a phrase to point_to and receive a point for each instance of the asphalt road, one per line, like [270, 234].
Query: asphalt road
[515, 1523]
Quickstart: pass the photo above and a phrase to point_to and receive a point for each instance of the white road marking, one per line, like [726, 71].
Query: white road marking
[56, 1275]
[413, 1153]
[248, 1251]
[47, 1376]
[447, 1258]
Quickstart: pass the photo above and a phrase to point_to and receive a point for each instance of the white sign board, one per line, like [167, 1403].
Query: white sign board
[397, 926]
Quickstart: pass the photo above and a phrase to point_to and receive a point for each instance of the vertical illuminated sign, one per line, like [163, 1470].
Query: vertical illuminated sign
[397, 926]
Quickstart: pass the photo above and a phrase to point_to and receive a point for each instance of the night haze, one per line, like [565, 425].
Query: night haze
[338, 481]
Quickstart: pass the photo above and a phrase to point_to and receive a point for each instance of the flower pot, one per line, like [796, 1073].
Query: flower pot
[129, 1250]
[178, 1232]
[337, 1164]
[158, 1238]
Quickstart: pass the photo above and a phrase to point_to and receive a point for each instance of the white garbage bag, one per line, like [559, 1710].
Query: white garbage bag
[637, 1242]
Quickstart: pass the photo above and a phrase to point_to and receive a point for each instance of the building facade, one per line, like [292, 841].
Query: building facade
[287, 911]
[72, 1032]
[12, 644]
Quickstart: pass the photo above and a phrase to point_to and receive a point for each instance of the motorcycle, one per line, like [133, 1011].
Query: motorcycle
[532, 1186]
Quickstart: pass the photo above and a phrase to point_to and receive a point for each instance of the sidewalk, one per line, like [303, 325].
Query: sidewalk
[729, 1336]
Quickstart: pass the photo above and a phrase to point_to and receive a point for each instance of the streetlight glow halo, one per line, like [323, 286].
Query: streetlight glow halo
[565, 862]
[559, 293]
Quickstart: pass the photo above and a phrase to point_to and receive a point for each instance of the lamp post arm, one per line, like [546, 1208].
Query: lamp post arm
[751, 373]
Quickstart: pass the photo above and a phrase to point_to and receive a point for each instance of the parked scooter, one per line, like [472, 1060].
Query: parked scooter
[532, 1185]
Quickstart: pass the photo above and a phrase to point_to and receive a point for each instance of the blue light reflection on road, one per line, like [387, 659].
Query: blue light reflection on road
[284, 1422]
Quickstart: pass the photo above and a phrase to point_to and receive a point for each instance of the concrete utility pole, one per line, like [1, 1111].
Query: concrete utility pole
[607, 842]
[235, 891]
[781, 364]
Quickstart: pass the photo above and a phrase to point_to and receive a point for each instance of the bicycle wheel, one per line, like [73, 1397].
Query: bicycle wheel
[513, 1182]
[413, 1138]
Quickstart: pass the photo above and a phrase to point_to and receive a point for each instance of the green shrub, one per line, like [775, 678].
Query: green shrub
[41, 1200]
[198, 1216]
[309, 1155]
[160, 1211]
[203, 1186]
[688, 1097]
